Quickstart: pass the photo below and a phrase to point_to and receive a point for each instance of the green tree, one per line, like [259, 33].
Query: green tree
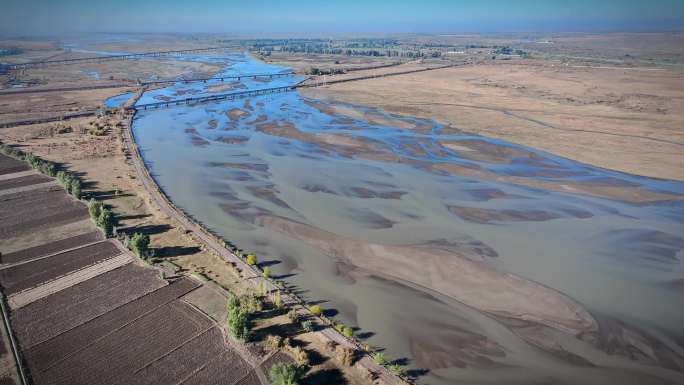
[347, 332]
[251, 259]
[75, 188]
[106, 221]
[94, 208]
[140, 244]
[267, 272]
[379, 358]
[238, 323]
[285, 374]
[278, 300]
[316, 310]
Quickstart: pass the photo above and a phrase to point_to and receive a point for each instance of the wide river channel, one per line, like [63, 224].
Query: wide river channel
[462, 255]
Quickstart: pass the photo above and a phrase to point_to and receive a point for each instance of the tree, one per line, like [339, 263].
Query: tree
[285, 374]
[106, 221]
[379, 358]
[347, 332]
[278, 300]
[75, 187]
[251, 259]
[316, 310]
[238, 323]
[267, 272]
[140, 244]
[94, 208]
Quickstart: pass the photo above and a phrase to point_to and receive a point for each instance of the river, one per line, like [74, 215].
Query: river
[331, 192]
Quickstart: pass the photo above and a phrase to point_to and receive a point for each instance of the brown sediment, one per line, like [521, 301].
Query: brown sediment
[459, 274]
[616, 337]
[241, 166]
[226, 87]
[213, 123]
[235, 114]
[629, 194]
[480, 215]
[233, 139]
[268, 193]
[369, 219]
[199, 141]
[483, 151]
[314, 188]
[365, 193]
[485, 194]
[454, 347]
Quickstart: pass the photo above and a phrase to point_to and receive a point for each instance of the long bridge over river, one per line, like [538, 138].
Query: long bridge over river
[220, 78]
[274, 90]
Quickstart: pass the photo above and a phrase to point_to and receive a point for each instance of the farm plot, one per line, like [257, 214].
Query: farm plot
[222, 370]
[36, 210]
[44, 355]
[50, 316]
[23, 181]
[189, 358]
[52, 247]
[31, 274]
[116, 358]
[10, 165]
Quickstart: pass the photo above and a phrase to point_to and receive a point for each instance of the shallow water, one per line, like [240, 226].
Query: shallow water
[118, 100]
[364, 176]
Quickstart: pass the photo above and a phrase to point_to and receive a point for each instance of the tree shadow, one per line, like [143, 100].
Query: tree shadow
[268, 263]
[175, 251]
[283, 276]
[104, 194]
[416, 373]
[325, 377]
[400, 361]
[139, 216]
[316, 358]
[364, 335]
[286, 331]
[330, 312]
[147, 229]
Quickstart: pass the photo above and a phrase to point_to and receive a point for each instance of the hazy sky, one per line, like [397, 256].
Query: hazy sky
[274, 16]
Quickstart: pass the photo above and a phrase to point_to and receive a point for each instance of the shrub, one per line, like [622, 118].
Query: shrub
[396, 369]
[293, 316]
[251, 303]
[278, 300]
[274, 342]
[251, 259]
[316, 310]
[345, 355]
[267, 272]
[233, 302]
[284, 374]
[300, 356]
[140, 244]
[347, 332]
[379, 358]
[308, 326]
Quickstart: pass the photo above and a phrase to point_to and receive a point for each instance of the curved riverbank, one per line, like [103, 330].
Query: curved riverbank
[249, 273]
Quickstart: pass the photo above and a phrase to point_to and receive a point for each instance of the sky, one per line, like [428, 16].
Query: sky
[39, 17]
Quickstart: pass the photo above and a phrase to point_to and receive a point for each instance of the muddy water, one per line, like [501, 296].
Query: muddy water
[319, 188]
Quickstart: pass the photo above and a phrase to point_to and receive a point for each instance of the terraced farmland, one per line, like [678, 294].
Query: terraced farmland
[84, 310]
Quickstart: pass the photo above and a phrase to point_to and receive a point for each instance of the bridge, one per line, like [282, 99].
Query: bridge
[213, 98]
[220, 78]
[99, 59]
